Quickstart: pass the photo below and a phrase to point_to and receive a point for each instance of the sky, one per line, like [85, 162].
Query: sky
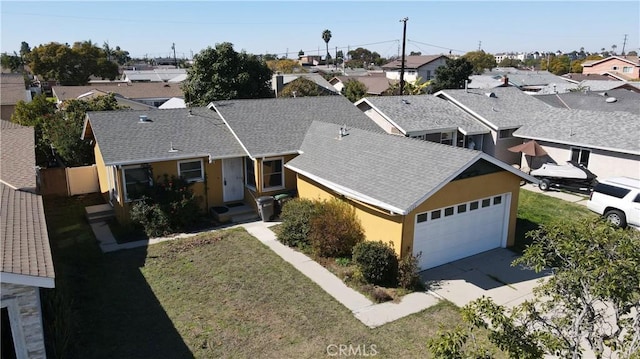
[150, 28]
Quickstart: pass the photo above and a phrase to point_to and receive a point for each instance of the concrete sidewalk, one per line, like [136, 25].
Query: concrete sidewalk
[372, 315]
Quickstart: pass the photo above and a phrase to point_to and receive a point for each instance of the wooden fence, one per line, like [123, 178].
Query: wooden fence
[69, 181]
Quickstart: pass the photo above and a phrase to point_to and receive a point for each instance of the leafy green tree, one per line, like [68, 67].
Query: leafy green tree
[416, 87]
[221, 73]
[592, 297]
[302, 87]
[326, 36]
[632, 53]
[11, 62]
[71, 65]
[35, 114]
[480, 61]
[121, 56]
[300, 53]
[559, 65]
[507, 62]
[286, 66]
[361, 57]
[452, 75]
[354, 90]
[25, 50]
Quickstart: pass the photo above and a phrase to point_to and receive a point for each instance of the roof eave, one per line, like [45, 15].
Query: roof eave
[568, 143]
[28, 280]
[174, 158]
[477, 116]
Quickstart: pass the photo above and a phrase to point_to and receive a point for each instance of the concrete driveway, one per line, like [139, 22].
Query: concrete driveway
[489, 274]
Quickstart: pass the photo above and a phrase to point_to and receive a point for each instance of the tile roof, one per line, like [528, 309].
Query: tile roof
[626, 100]
[387, 170]
[267, 127]
[12, 89]
[413, 62]
[136, 90]
[611, 131]
[17, 156]
[123, 139]
[509, 108]
[425, 112]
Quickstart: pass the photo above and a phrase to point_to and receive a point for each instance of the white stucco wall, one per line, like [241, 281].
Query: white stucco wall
[25, 315]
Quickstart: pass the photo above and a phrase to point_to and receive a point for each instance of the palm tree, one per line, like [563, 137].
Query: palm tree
[613, 49]
[326, 36]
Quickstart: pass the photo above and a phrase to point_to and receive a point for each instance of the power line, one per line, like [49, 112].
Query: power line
[438, 46]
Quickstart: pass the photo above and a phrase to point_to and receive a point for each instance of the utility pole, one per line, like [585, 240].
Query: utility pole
[404, 42]
[175, 59]
[624, 43]
[479, 45]
[335, 62]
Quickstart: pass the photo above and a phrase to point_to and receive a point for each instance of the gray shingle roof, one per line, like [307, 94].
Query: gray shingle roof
[612, 131]
[412, 62]
[395, 173]
[17, 156]
[267, 127]
[425, 112]
[509, 108]
[627, 101]
[136, 90]
[12, 89]
[24, 238]
[122, 138]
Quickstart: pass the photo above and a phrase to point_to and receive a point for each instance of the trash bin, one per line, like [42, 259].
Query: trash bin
[265, 207]
[280, 200]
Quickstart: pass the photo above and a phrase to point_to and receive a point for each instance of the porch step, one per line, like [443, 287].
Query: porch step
[99, 213]
[236, 213]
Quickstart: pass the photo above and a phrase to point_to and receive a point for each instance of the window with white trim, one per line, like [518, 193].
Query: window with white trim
[249, 173]
[191, 171]
[581, 156]
[137, 180]
[272, 174]
[627, 69]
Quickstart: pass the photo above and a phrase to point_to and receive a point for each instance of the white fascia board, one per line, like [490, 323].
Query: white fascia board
[404, 132]
[347, 192]
[28, 280]
[482, 120]
[213, 106]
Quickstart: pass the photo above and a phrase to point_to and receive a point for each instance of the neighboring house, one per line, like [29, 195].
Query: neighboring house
[528, 81]
[309, 60]
[414, 67]
[233, 151]
[611, 100]
[174, 102]
[503, 110]
[444, 202]
[155, 75]
[622, 67]
[376, 83]
[12, 90]
[147, 94]
[425, 117]
[600, 85]
[605, 142]
[26, 261]
[280, 81]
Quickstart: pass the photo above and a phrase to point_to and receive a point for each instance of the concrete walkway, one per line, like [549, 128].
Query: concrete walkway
[370, 314]
[569, 197]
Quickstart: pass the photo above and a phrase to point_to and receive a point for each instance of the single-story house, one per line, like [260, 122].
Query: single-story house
[233, 151]
[425, 117]
[12, 91]
[422, 66]
[26, 264]
[604, 142]
[441, 201]
[503, 110]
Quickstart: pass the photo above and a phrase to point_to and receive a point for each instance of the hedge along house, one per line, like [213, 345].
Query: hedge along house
[442, 201]
[271, 131]
[135, 149]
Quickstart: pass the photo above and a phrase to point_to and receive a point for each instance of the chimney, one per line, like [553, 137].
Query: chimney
[505, 81]
[277, 83]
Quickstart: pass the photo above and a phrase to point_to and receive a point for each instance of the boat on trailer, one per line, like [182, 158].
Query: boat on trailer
[572, 175]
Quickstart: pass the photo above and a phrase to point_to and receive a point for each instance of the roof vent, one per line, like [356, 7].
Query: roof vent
[491, 94]
[611, 99]
[406, 102]
[144, 118]
[171, 148]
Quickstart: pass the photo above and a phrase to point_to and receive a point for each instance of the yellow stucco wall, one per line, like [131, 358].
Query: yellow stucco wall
[377, 225]
[290, 183]
[380, 225]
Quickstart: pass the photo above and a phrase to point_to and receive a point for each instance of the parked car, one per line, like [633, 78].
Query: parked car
[572, 175]
[618, 200]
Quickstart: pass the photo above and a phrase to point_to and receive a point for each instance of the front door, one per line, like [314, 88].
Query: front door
[232, 183]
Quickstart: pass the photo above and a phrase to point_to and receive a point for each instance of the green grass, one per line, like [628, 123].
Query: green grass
[221, 294]
[535, 209]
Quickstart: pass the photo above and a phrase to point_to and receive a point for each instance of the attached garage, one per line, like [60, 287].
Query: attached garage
[447, 234]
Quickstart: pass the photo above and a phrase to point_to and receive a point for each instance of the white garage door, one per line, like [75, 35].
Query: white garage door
[447, 234]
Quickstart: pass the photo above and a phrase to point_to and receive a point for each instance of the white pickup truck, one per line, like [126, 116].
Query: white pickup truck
[618, 200]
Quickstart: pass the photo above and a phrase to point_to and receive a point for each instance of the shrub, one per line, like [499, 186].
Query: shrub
[408, 277]
[168, 207]
[335, 230]
[377, 262]
[296, 222]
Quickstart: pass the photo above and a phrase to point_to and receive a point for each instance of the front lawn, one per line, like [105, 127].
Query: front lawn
[221, 294]
[535, 209]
